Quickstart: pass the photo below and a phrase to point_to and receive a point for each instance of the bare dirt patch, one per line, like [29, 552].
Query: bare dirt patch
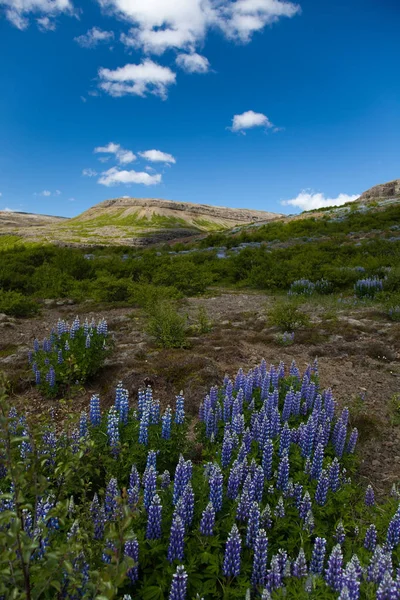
[358, 357]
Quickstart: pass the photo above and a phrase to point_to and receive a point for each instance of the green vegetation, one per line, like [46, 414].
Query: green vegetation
[167, 326]
[287, 315]
[16, 305]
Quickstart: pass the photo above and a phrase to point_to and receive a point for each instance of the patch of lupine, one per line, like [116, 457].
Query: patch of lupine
[286, 338]
[70, 355]
[394, 313]
[305, 287]
[267, 509]
[368, 287]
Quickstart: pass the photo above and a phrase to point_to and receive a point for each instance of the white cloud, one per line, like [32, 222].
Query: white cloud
[248, 120]
[116, 176]
[46, 24]
[93, 37]
[6, 209]
[146, 78]
[19, 11]
[84, 100]
[47, 193]
[157, 156]
[89, 172]
[71, 199]
[124, 157]
[160, 25]
[193, 63]
[308, 200]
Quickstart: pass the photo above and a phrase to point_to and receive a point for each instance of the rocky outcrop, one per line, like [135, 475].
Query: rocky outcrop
[391, 189]
[145, 208]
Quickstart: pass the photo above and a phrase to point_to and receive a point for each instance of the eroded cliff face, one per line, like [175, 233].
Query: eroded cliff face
[391, 189]
[146, 207]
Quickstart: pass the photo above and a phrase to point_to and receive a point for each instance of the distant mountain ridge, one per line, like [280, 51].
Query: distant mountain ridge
[391, 189]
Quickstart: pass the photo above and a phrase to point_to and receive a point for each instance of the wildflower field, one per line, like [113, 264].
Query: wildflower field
[257, 498]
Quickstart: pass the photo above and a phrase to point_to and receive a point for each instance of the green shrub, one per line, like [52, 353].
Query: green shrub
[167, 326]
[111, 289]
[17, 305]
[203, 321]
[147, 295]
[287, 316]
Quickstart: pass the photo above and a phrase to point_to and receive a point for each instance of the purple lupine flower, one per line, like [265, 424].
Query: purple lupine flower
[233, 482]
[113, 431]
[258, 482]
[253, 524]
[60, 359]
[131, 549]
[216, 483]
[318, 556]
[243, 507]
[274, 574]
[226, 450]
[352, 441]
[351, 581]
[166, 422]
[134, 477]
[165, 479]
[179, 584]
[393, 532]
[268, 451]
[340, 438]
[322, 489]
[176, 540]
[187, 499]
[339, 535]
[111, 500]
[153, 531]
[151, 460]
[370, 538]
[369, 496]
[87, 342]
[283, 473]
[305, 506]
[299, 567]
[285, 440]
[98, 518]
[207, 522]
[334, 471]
[232, 558]
[279, 511]
[144, 427]
[94, 410]
[318, 459]
[51, 377]
[155, 412]
[108, 551]
[123, 408]
[183, 474]
[259, 575]
[150, 486]
[180, 409]
[388, 588]
[83, 424]
[334, 570]
[275, 423]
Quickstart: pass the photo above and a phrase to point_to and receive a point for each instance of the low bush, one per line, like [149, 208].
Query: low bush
[17, 305]
[116, 508]
[167, 326]
[72, 354]
[146, 295]
[287, 315]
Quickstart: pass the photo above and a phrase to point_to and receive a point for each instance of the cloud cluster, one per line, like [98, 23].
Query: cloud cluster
[93, 37]
[145, 78]
[116, 175]
[250, 119]
[162, 25]
[19, 11]
[124, 157]
[193, 63]
[48, 193]
[308, 200]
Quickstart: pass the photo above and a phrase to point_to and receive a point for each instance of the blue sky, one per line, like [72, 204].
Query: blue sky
[246, 103]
